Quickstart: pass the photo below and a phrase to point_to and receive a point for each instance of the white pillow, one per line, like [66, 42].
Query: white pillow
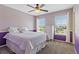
[23, 29]
[13, 29]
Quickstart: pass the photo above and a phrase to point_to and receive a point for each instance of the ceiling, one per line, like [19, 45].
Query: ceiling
[50, 7]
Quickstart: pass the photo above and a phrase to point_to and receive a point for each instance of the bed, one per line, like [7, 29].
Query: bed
[25, 43]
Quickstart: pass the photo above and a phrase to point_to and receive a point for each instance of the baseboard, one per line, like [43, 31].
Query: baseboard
[2, 45]
[64, 42]
[49, 40]
[69, 43]
[75, 51]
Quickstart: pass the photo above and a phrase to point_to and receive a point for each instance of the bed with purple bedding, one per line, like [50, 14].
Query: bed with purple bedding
[28, 42]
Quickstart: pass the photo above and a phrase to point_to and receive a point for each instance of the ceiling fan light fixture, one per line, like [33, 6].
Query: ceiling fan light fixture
[37, 8]
[37, 11]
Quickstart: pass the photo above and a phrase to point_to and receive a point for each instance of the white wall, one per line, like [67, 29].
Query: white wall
[11, 17]
[49, 22]
[49, 25]
[76, 14]
[76, 10]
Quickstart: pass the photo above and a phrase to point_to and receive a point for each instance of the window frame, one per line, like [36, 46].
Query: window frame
[38, 24]
[64, 14]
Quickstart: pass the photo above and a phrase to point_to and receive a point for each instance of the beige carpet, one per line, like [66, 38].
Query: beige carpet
[57, 47]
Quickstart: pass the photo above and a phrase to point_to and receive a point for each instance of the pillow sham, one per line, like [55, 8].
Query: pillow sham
[13, 29]
[23, 29]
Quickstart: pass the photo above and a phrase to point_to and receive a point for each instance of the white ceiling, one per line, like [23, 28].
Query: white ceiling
[49, 7]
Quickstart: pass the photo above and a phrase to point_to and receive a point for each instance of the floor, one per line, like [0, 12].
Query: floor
[53, 47]
[57, 47]
[5, 50]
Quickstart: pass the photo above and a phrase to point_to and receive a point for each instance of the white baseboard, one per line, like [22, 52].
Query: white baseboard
[75, 51]
[2, 45]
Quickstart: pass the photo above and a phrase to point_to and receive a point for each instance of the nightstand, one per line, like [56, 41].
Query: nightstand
[2, 40]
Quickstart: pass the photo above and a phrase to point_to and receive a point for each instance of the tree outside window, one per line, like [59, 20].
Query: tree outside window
[60, 25]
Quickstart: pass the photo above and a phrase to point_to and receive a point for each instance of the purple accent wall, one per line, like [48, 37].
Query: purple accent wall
[2, 40]
[63, 37]
[77, 43]
[60, 37]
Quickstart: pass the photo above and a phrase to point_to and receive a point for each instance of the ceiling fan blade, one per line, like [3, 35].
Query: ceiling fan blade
[42, 5]
[43, 10]
[30, 6]
[30, 10]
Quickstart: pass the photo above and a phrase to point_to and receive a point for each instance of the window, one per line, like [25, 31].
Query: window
[60, 25]
[40, 25]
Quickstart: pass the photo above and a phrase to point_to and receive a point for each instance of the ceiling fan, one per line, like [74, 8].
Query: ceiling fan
[37, 8]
